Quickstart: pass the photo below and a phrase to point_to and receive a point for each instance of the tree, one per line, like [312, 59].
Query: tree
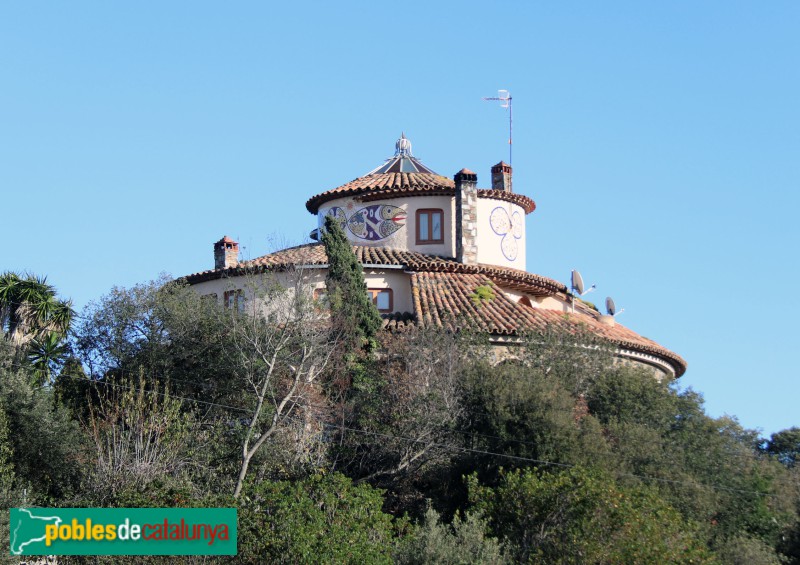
[29, 308]
[250, 373]
[164, 330]
[178, 342]
[47, 353]
[320, 519]
[408, 426]
[572, 355]
[47, 445]
[581, 516]
[710, 469]
[34, 321]
[516, 410]
[279, 348]
[748, 550]
[353, 314]
[463, 542]
[785, 445]
[8, 498]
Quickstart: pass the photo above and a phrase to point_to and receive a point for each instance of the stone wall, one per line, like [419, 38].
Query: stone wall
[466, 216]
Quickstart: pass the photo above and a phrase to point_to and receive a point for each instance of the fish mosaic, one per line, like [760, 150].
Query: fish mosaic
[371, 223]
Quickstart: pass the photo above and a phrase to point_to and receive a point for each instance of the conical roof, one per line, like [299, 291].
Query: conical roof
[400, 174]
[403, 160]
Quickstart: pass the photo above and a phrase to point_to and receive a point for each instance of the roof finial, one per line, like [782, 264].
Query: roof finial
[402, 161]
[403, 145]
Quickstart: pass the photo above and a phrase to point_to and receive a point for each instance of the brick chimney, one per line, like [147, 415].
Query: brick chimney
[226, 253]
[501, 177]
[466, 216]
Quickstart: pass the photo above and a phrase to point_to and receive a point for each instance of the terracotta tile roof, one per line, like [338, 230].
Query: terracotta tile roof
[391, 185]
[519, 199]
[617, 334]
[441, 291]
[314, 254]
[444, 300]
[398, 321]
[387, 185]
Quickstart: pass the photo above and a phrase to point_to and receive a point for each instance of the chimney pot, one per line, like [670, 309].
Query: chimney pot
[607, 320]
[226, 253]
[501, 177]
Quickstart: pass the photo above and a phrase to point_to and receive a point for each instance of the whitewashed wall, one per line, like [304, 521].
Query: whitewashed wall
[405, 238]
[498, 245]
[310, 279]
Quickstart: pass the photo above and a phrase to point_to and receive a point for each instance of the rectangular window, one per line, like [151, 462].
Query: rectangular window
[429, 226]
[321, 298]
[234, 299]
[383, 299]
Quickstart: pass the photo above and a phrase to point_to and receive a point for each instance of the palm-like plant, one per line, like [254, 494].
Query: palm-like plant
[29, 309]
[34, 321]
[45, 354]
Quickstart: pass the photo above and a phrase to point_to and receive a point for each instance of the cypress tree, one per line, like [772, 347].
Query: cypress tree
[353, 314]
[355, 322]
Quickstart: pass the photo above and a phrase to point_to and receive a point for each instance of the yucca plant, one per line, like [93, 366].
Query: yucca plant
[34, 321]
[30, 308]
[45, 354]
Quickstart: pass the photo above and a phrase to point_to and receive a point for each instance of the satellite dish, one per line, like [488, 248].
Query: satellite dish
[611, 308]
[577, 282]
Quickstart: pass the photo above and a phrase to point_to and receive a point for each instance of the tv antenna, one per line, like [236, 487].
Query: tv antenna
[504, 96]
[611, 308]
[578, 287]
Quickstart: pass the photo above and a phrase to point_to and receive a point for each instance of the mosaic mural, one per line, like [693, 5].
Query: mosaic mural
[509, 228]
[371, 223]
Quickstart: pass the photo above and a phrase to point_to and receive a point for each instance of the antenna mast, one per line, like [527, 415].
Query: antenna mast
[504, 96]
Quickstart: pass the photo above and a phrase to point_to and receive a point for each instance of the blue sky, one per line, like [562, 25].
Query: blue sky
[661, 143]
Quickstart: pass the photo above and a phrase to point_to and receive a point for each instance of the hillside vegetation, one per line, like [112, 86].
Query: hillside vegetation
[339, 443]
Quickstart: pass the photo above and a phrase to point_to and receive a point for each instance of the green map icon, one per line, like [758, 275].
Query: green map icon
[122, 531]
[27, 529]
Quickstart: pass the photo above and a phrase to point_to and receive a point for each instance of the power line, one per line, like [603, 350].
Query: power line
[742, 456]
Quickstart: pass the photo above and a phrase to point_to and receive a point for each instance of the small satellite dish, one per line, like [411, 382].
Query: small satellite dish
[577, 282]
[611, 308]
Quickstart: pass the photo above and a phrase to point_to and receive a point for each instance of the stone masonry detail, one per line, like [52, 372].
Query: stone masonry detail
[466, 216]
